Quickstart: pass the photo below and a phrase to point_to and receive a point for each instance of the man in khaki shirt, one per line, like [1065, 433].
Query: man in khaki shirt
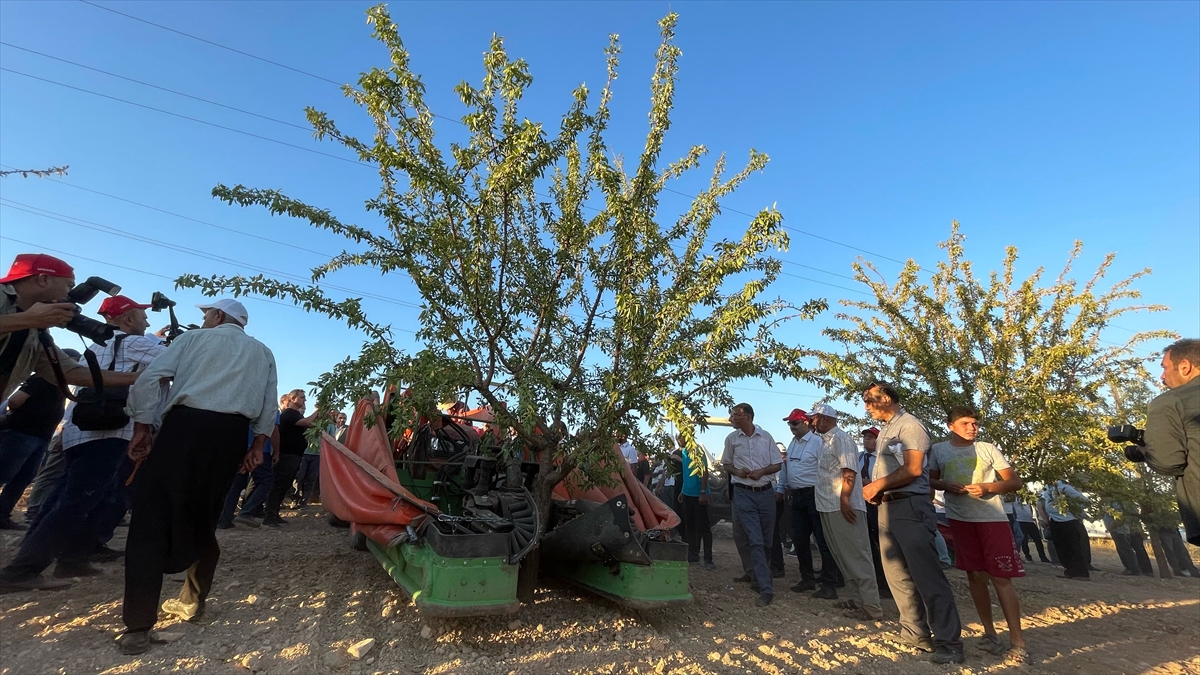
[33, 298]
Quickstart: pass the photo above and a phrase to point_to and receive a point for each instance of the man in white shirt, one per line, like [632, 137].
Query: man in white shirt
[799, 478]
[844, 514]
[88, 501]
[223, 385]
[750, 458]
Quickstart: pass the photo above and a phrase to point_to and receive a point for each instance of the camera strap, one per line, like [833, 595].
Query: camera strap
[52, 355]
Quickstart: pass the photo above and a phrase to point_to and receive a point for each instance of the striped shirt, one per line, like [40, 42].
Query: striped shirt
[136, 353]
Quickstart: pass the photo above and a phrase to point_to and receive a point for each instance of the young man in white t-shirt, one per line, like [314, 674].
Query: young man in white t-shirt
[974, 475]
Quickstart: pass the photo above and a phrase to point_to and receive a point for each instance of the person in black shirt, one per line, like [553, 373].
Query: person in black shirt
[292, 444]
[34, 412]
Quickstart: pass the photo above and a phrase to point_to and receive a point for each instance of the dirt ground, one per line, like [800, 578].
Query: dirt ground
[294, 600]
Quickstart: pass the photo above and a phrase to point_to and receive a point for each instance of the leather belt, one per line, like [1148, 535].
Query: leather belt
[896, 496]
[752, 488]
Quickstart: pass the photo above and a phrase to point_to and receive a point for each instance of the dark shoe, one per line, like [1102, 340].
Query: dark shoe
[1130, 573]
[10, 524]
[920, 644]
[136, 642]
[35, 583]
[184, 611]
[67, 570]
[272, 522]
[744, 579]
[1047, 561]
[708, 565]
[224, 526]
[105, 554]
[763, 600]
[1068, 576]
[826, 593]
[693, 561]
[777, 575]
[755, 587]
[801, 586]
[1093, 568]
[1028, 558]
[246, 521]
[944, 655]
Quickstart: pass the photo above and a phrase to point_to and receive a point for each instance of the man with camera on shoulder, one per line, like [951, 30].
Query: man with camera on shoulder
[34, 297]
[1172, 437]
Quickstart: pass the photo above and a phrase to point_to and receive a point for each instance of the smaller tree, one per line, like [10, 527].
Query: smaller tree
[38, 173]
[1027, 354]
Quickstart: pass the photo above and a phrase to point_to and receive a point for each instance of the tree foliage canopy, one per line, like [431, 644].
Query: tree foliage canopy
[551, 285]
[1026, 354]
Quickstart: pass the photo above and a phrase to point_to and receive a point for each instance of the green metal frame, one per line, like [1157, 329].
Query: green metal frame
[443, 586]
[661, 584]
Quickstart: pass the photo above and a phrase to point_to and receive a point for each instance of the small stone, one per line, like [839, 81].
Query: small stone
[388, 611]
[427, 631]
[250, 662]
[541, 628]
[514, 624]
[359, 649]
[167, 635]
[251, 599]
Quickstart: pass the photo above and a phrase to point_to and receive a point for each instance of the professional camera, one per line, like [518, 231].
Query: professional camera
[96, 331]
[159, 302]
[1127, 433]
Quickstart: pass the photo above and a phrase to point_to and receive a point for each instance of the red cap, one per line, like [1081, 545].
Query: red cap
[118, 305]
[27, 265]
[873, 431]
[797, 415]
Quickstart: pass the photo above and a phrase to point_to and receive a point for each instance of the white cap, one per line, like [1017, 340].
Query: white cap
[823, 409]
[234, 309]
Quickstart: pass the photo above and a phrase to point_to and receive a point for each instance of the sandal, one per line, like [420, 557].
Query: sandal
[1015, 656]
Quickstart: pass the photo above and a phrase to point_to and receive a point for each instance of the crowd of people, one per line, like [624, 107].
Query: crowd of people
[190, 438]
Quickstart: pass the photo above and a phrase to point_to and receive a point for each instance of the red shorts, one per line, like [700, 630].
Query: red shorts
[986, 547]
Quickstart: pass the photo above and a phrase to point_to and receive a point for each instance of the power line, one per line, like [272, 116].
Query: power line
[155, 86]
[189, 218]
[79, 222]
[191, 119]
[76, 256]
[444, 117]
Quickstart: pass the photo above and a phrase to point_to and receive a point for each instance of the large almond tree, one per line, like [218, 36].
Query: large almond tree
[552, 286]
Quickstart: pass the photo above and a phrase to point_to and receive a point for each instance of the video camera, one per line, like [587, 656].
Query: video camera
[96, 331]
[159, 302]
[1127, 433]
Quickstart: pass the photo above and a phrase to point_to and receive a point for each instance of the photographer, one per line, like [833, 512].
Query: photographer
[89, 500]
[33, 298]
[1172, 439]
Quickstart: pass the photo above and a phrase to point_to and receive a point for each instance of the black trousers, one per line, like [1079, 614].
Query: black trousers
[285, 473]
[698, 527]
[1030, 530]
[177, 498]
[873, 534]
[1074, 549]
[806, 524]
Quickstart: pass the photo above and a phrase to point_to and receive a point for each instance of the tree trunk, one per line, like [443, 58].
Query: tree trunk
[1160, 556]
[527, 576]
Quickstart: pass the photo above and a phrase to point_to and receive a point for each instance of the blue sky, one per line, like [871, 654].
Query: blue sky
[1033, 124]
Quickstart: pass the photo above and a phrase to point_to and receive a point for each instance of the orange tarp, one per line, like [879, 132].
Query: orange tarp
[361, 486]
[649, 512]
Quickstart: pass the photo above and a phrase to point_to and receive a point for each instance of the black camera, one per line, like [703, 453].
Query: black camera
[96, 331]
[1127, 433]
[159, 302]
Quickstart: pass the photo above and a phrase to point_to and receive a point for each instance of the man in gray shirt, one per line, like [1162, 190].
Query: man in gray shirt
[907, 524]
[224, 385]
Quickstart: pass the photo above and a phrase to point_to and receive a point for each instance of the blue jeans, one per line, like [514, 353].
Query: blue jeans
[72, 515]
[262, 476]
[20, 457]
[756, 512]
